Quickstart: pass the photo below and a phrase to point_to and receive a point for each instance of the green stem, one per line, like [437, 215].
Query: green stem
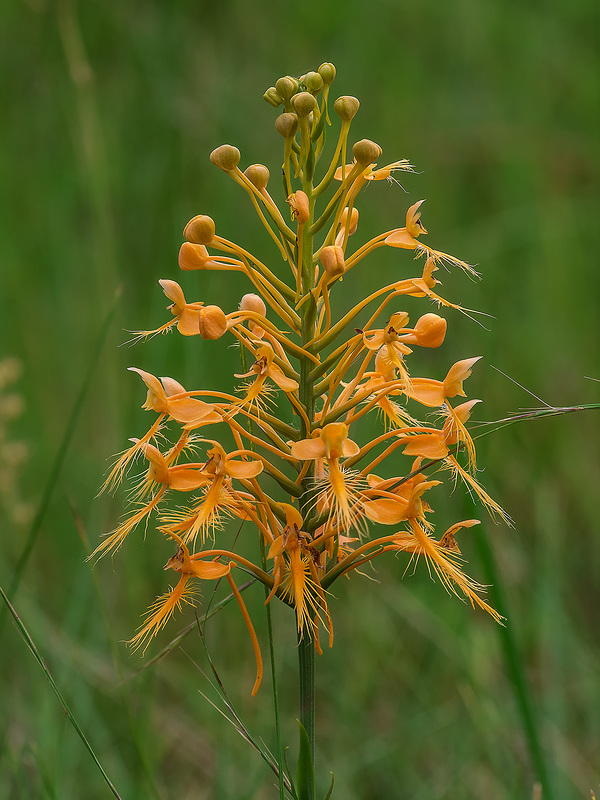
[306, 646]
[306, 672]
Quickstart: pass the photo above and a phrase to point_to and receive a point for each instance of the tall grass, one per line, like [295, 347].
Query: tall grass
[111, 109]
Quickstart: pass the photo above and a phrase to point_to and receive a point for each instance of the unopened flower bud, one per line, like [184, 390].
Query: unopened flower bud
[327, 72]
[212, 322]
[430, 330]
[353, 220]
[333, 262]
[200, 229]
[303, 103]
[313, 82]
[226, 157]
[193, 256]
[366, 151]
[253, 302]
[286, 87]
[286, 125]
[258, 175]
[273, 97]
[299, 205]
[346, 107]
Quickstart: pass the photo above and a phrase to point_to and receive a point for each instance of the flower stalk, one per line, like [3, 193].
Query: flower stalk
[279, 453]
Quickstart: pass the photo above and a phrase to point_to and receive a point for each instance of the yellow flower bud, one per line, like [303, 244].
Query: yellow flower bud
[226, 157]
[253, 302]
[272, 97]
[353, 220]
[303, 103]
[327, 72]
[200, 229]
[212, 322]
[286, 87]
[366, 151]
[258, 175]
[332, 259]
[346, 107]
[299, 205]
[286, 125]
[313, 82]
[430, 330]
[193, 256]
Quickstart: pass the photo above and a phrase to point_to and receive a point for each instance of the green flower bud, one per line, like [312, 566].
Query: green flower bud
[258, 175]
[226, 157]
[313, 82]
[303, 103]
[272, 97]
[327, 72]
[346, 107]
[286, 125]
[286, 87]
[200, 230]
[366, 151]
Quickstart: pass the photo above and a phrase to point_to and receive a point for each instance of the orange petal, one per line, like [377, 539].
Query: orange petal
[402, 238]
[243, 469]
[189, 321]
[308, 449]
[285, 383]
[428, 445]
[426, 391]
[209, 570]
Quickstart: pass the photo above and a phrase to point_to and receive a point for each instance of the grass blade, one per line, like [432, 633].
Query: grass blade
[38, 657]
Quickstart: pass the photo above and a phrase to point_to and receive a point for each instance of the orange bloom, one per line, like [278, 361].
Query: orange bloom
[332, 443]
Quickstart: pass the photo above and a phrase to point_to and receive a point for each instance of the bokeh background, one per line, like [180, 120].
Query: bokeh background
[110, 110]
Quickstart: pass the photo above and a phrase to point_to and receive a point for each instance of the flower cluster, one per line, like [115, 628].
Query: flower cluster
[306, 379]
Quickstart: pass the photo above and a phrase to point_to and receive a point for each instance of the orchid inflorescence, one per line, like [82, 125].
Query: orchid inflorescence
[307, 380]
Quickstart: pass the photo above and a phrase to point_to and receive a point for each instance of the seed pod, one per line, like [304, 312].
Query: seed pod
[366, 151]
[346, 107]
[212, 322]
[226, 157]
[258, 175]
[200, 229]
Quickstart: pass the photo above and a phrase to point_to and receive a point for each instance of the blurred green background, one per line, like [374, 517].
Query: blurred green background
[110, 110]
